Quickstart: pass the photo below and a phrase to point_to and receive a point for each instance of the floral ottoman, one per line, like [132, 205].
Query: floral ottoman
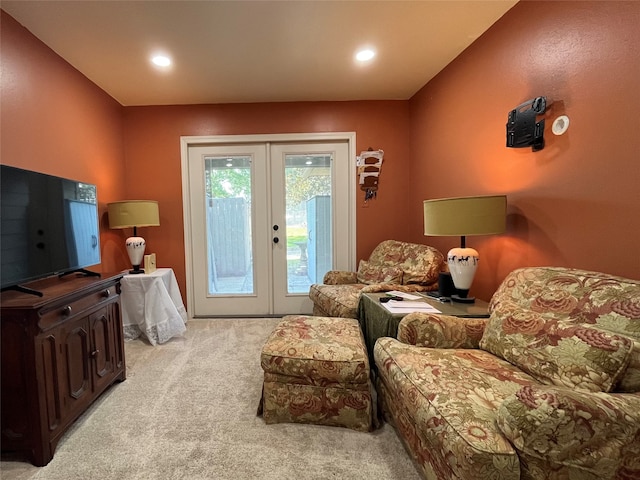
[316, 370]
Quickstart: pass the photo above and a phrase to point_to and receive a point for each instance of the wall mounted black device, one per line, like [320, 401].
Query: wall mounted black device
[522, 128]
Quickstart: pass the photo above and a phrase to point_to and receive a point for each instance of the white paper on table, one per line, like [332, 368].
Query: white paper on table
[405, 295]
[395, 306]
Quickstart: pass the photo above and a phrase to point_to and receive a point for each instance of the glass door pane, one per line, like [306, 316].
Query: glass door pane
[228, 225]
[308, 219]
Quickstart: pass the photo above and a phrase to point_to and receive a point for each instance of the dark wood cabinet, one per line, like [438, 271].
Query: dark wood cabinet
[59, 353]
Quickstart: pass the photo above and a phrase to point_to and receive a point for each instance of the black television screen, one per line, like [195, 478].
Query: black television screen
[49, 225]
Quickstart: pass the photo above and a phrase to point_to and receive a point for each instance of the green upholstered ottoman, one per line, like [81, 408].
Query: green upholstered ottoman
[316, 370]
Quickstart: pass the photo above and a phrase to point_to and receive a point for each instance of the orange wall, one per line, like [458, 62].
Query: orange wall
[152, 146]
[53, 120]
[576, 203]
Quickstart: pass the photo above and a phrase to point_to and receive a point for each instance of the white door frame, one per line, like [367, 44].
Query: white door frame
[188, 141]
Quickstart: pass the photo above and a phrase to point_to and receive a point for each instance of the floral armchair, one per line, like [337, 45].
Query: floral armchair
[393, 265]
[547, 388]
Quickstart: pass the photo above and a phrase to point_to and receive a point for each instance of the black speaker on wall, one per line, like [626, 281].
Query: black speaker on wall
[522, 128]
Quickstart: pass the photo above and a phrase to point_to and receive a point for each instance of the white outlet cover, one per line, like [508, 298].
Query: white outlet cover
[560, 125]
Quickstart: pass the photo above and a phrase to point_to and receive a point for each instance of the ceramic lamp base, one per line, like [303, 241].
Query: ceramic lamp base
[463, 263]
[135, 249]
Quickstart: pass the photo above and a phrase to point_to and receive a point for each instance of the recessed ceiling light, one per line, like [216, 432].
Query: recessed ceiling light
[365, 55]
[161, 61]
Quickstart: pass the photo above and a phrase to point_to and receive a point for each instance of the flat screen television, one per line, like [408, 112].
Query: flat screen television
[49, 225]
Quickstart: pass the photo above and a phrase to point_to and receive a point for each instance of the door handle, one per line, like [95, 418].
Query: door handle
[275, 228]
[276, 239]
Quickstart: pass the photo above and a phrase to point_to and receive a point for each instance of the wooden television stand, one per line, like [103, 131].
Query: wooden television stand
[60, 351]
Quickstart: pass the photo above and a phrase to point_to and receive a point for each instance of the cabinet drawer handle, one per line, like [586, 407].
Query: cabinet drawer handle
[67, 310]
[95, 353]
[106, 293]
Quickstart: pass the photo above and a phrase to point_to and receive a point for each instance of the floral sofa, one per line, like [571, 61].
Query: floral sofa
[547, 388]
[393, 265]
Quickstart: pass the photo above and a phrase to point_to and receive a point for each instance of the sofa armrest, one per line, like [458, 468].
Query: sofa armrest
[572, 429]
[340, 277]
[441, 331]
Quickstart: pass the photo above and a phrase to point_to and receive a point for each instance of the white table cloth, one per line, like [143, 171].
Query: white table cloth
[152, 306]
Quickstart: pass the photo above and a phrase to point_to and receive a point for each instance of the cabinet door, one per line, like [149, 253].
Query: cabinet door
[102, 348]
[75, 365]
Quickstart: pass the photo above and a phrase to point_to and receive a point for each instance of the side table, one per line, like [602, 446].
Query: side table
[376, 321]
[152, 306]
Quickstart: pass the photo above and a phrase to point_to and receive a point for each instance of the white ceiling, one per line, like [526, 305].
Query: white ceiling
[257, 51]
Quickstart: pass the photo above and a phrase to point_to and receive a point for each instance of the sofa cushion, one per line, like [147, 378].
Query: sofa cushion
[620, 313]
[369, 273]
[630, 381]
[319, 350]
[558, 429]
[387, 252]
[452, 397]
[557, 352]
[421, 264]
[577, 297]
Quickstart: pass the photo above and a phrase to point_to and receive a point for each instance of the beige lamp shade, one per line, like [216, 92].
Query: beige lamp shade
[463, 216]
[133, 213]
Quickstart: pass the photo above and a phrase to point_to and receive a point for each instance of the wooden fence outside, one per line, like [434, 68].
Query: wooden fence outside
[229, 237]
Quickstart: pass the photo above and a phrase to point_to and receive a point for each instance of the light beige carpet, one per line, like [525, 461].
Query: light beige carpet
[188, 411]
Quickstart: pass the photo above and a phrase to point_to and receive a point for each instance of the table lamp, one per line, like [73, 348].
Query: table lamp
[463, 216]
[134, 213]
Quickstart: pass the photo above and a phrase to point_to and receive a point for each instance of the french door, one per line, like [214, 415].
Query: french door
[265, 217]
